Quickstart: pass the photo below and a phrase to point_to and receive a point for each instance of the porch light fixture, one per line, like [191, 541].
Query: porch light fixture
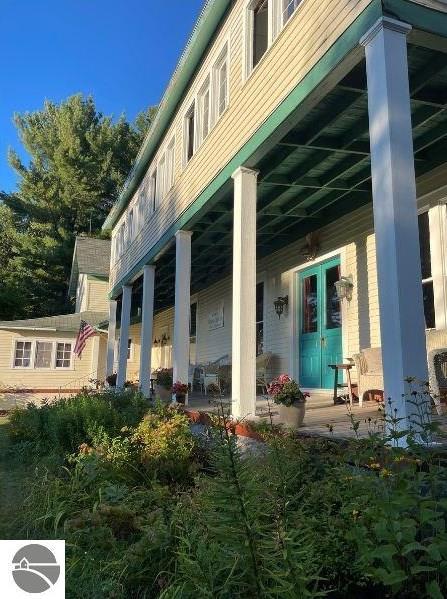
[279, 304]
[344, 288]
[157, 341]
[165, 338]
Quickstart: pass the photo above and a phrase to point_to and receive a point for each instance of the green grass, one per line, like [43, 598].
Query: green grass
[13, 473]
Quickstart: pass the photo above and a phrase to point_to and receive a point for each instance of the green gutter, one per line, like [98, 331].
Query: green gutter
[421, 17]
[207, 24]
[345, 44]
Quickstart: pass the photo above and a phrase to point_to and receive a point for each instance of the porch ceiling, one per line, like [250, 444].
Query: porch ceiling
[317, 173]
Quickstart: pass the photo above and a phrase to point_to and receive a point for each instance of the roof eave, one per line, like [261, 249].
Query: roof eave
[209, 20]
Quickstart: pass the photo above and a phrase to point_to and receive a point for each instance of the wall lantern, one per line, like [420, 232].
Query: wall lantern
[157, 341]
[165, 338]
[280, 303]
[344, 288]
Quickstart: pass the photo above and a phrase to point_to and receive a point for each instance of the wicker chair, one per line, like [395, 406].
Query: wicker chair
[209, 375]
[369, 371]
[263, 362]
[370, 374]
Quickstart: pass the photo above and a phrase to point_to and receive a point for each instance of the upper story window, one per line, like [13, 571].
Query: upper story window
[264, 21]
[153, 186]
[190, 132]
[204, 105]
[161, 183]
[130, 227]
[170, 165]
[260, 28]
[288, 8]
[221, 84]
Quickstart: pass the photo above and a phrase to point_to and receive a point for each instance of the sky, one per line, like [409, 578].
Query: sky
[122, 52]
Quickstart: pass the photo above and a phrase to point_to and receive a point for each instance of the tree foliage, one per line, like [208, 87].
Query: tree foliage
[79, 160]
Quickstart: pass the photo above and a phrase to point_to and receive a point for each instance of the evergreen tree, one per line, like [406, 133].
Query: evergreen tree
[79, 160]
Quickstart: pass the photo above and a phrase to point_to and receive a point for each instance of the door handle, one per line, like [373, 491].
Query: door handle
[323, 342]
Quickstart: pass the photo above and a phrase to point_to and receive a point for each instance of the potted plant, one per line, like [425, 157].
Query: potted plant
[180, 390]
[291, 400]
[163, 384]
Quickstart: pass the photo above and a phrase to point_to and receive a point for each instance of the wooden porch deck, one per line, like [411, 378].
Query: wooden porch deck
[322, 417]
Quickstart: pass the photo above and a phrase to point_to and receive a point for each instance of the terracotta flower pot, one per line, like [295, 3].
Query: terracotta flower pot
[292, 416]
[180, 399]
[163, 393]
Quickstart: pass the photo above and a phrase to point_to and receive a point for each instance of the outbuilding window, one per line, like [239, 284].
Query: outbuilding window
[63, 355]
[22, 354]
[44, 351]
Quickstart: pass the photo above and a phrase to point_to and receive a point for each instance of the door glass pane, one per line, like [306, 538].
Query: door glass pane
[310, 304]
[429, 305]
[333, 307]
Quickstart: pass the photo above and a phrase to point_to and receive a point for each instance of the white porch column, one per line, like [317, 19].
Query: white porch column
[395, 213]
[124, 336]
[147, 329]
[182, 305]
[244, 294]
[438, 246]
[111, 338]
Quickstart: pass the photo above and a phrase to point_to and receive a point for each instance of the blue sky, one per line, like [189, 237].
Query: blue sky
[122, 52]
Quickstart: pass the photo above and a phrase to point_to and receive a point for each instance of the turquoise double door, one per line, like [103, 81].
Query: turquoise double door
[320, 324]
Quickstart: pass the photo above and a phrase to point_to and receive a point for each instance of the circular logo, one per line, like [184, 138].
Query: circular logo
[35, 569]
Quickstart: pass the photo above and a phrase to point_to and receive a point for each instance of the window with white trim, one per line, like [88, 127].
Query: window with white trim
[43, 355]
[259, 30]
[121, 235]
[220, 76]
[161, 182]
[427, 275]
[22, 354]
[204, 111]
[190, 132]
[288, 8]
[170, 165]
[129, 349]
[153, 185]
[130, 227]
[63, 355]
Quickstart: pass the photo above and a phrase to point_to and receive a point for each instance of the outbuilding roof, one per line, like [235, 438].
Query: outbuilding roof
[65, 322]
[90, 257]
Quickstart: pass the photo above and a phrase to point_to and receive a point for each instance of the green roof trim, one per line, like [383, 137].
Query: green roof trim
[203, 32]
[418, 15]
[345, 44]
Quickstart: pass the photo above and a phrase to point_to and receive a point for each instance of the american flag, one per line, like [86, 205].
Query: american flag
[85, 332]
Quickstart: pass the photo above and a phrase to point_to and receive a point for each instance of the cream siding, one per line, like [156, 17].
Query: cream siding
[49, 378]
[280, 70]
[97, 299]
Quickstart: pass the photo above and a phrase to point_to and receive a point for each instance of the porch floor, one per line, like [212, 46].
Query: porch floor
[322, 417]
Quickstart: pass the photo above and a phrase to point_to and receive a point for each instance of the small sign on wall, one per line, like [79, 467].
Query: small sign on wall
[216, 318]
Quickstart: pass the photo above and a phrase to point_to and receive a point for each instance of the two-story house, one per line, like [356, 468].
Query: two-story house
[36, 355]
[299, 144]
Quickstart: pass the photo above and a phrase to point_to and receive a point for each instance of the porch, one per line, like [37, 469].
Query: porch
[322, 419]
[362, 127]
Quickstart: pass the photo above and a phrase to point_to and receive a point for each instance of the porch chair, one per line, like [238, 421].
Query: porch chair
[370, 372]
[263, 362]
[209, 375]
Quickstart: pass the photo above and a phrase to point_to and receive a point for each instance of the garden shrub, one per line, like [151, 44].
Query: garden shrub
[167, 444]
[65, 424]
